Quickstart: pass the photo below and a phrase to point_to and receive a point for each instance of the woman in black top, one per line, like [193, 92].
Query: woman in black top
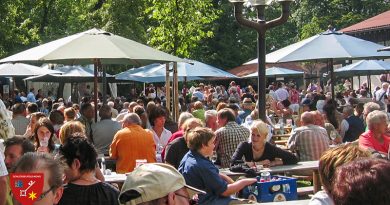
[83, 187]
[261, 152]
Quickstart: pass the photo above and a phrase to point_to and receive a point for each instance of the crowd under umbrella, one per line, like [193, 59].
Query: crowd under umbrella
[363, 68]
[277, 72]
[328, 46]
[96, 47]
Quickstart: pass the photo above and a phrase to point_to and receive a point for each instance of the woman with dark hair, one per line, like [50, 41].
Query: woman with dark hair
[331, 114]
[83, 187]
[364, 181]
[34, 117]
[43, 136]
[157, 118]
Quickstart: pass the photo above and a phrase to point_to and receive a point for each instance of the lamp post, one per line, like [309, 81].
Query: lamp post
[261, 26]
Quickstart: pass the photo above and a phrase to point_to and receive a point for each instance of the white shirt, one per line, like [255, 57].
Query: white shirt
[3, 168]
[344, 128]
[321, 198]
[281, 94]
[163, 139]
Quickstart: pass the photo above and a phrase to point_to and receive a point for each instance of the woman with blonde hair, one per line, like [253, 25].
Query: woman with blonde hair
[69, 128]
[261, 152]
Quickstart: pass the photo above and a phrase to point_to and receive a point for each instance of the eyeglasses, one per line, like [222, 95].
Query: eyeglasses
[190, 201]
[43, 195]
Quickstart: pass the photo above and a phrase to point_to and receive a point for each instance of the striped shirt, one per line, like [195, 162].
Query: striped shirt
[20, 124]
[309, 142]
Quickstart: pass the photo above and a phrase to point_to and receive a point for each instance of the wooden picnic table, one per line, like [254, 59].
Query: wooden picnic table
[115, 178]
[300, 166]
[280, 137]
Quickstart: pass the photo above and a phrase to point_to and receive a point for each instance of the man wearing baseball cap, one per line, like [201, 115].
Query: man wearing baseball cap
[155, 184]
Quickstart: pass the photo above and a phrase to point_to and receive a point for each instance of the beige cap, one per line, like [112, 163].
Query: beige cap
[152, 181]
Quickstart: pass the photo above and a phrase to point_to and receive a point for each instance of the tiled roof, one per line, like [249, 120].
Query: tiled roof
[380, 21]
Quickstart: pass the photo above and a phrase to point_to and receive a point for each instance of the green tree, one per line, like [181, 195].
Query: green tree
[313, 17]
[177, 26]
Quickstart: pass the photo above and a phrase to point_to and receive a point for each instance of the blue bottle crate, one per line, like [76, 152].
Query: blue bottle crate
[284, 189]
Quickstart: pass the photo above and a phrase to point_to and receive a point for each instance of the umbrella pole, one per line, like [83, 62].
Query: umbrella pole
[104, 81]
[95, 84]
[167, 88]
[330, 66]
[359, 81]
[175, 92]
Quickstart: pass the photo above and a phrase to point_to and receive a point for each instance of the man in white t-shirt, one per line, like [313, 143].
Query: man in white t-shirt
[3, 180]
[281, 92]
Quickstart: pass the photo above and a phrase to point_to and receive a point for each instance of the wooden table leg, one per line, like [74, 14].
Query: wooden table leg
[316, 181]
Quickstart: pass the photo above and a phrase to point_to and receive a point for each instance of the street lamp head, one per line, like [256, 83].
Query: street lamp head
[237, 1]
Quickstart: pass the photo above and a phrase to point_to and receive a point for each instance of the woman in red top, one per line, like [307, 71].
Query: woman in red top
[376, 138]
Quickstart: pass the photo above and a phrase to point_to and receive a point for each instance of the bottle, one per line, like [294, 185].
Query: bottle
[266, 176]
[159, 149]
[103, 165]
[281, 122]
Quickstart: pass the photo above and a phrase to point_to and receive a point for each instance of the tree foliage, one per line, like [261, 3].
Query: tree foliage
[179, 25]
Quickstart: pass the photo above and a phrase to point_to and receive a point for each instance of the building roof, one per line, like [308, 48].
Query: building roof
[377, 22]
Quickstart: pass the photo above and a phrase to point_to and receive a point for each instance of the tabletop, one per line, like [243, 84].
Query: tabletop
[115, 178]
[300, 166]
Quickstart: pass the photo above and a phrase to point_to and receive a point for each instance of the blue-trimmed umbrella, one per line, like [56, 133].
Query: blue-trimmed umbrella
[277, 72]
[156, 72]
[364, 67]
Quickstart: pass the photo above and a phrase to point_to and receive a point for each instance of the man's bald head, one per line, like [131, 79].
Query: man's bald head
[307, 118]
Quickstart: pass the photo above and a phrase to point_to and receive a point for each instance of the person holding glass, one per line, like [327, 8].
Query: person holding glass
[261, 152]
[43, 136]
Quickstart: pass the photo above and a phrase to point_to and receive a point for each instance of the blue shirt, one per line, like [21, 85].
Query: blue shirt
[201, 173]
[31, 97]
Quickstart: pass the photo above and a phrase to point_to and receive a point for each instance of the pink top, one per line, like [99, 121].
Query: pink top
[367, 140]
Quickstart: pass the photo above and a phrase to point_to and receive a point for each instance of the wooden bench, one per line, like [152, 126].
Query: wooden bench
[304, 191]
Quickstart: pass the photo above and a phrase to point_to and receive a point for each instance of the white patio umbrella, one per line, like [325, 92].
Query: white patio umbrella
[93, 46]
[328, 46]
[70, 74]
[364, 67]
[276, 72]
[23, 70]
[385, 49]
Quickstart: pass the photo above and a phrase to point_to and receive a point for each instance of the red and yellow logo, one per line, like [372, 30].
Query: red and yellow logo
[26, 187]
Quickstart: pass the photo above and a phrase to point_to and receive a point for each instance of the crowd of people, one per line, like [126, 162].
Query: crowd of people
[218, 127]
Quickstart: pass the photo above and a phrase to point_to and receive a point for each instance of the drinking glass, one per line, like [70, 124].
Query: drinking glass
[213, 157]
[333, 135]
